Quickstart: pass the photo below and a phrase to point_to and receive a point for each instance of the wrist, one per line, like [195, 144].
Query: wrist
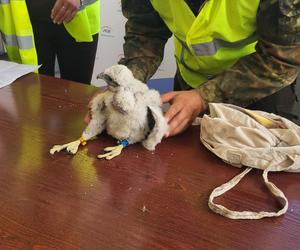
[203, 102]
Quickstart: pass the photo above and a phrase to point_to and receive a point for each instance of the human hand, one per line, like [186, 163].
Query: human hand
[88, 115]
[185, 107]
[64, 10]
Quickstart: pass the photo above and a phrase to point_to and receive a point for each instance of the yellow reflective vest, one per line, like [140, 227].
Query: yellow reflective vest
[16, 30]
[207, 44]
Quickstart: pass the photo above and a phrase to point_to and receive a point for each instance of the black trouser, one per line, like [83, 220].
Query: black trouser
[284, 102]
[75, 60]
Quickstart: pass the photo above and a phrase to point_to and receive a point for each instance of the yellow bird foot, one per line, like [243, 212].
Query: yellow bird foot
[112, 152]
[71, 147]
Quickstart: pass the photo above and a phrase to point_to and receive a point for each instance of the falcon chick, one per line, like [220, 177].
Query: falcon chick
[127, 109]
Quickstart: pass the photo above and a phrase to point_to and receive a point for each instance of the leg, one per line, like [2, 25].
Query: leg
[114, 151]
[95, 127]
[92, 130]
[76, 60]
[71, 147]
[111, 152]
[284, 103]
[43, 35]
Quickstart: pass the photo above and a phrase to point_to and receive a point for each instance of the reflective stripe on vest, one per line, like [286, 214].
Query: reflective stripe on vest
[16, 30]
[211, 48]
[208, 44]
[86, 3]
[22, 42]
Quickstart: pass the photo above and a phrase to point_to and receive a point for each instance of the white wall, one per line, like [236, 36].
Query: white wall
[111, 40]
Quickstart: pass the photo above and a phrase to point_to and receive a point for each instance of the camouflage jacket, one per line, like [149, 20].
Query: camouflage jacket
[274, 65]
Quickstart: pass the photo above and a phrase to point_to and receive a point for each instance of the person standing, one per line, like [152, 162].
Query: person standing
[37, 32]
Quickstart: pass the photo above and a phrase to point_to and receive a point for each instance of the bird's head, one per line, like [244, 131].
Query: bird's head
[117, 76]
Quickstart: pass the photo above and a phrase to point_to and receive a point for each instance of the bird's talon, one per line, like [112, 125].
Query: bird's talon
[109, 149]
[55, 148]
[71, 147]
[103, 155]
[112, 152]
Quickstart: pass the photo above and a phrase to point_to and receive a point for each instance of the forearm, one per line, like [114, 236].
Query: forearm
[145, 38]
[274, 65]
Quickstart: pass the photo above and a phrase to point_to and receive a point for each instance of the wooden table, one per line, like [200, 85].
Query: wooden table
[139, 200]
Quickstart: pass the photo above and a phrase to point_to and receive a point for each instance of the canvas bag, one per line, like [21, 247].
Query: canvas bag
[254, 139]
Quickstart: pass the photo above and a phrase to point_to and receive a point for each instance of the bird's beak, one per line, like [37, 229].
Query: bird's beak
[101, 76]
[108, 79]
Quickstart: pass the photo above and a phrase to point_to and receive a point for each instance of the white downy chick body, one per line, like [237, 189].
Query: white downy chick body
[124, 110]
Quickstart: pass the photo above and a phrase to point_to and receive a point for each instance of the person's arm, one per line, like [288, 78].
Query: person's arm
[274, 65]
[145, 38]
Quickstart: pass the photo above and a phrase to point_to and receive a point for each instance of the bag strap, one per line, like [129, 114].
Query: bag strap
[246, 214]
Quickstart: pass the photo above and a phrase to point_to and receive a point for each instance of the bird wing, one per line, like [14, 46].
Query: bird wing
[159, 129]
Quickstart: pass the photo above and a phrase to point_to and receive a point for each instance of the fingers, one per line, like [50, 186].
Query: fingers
[178, 124]
[87, 117]
[179, 118]
[64, 10]
[167, 97]
[173, 110]
[66, 15]
[57, 11]
[70, 16]
[185, 106]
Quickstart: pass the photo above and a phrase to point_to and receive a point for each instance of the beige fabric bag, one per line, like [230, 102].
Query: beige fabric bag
[255, 139]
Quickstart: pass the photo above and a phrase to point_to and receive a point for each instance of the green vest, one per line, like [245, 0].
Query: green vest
[208, 44]
[16, 29]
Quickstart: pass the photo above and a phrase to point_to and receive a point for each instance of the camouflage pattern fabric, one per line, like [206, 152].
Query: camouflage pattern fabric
[274, 65]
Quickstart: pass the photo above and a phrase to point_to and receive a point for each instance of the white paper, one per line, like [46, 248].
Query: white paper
[10, 71]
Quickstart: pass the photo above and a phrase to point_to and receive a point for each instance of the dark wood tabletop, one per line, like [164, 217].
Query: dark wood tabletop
[139, 200]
